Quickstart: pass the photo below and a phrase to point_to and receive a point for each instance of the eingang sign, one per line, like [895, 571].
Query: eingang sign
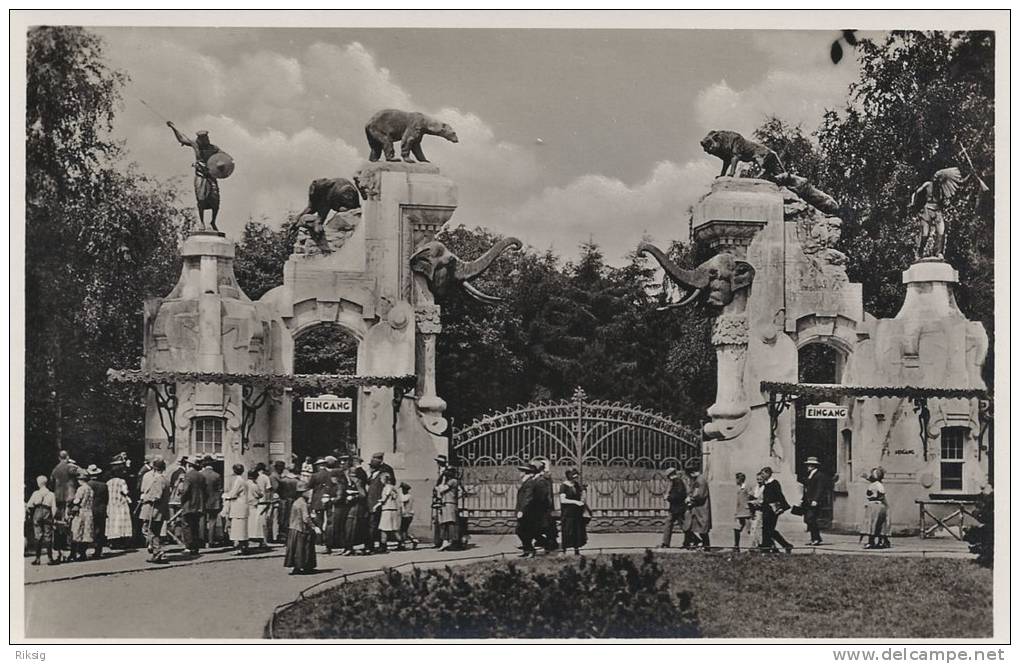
[825, 411]
[328, 403]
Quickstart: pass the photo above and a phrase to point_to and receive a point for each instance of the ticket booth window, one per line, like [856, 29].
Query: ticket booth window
[951, 466]
[207, 435]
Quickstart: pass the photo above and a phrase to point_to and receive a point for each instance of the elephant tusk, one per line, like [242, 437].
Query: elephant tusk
[676, 305]
[479, 295]
[690, 298]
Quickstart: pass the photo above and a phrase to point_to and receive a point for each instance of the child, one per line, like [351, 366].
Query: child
[742, 515]
[389, 511]
[41, 508]
[406, 516]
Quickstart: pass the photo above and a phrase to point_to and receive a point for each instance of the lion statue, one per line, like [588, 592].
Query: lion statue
[733, 149]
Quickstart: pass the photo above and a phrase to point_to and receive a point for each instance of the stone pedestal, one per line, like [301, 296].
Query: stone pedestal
[365, 286]
[207, 324]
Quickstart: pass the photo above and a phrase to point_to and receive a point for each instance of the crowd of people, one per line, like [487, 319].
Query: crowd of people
[758, 508]
[349, 507]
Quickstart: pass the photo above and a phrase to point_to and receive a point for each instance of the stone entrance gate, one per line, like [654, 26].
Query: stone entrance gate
[621, 451]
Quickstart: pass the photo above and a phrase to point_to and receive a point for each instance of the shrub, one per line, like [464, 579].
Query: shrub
[617, 598]
[981, 538]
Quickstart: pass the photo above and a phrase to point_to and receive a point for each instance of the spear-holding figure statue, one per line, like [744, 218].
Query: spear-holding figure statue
[928, 203]
[211, 164]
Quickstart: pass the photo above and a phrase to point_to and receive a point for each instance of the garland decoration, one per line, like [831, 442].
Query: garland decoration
[832, 392]
[298, 384]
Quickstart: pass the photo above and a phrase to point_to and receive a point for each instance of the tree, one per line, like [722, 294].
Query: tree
[924, 101]
[261, 255]
[100, 238]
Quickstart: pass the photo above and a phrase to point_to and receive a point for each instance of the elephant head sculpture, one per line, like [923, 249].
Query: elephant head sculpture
[715, 281]
[443, 270]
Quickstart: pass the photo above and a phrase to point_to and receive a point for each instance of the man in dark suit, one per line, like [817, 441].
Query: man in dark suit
[773, 503]
[815, 486]
[530, 509]
[63, 483]
[213, 499]
[323, 492]
[677, 500]
[100, 500]
[193, 497]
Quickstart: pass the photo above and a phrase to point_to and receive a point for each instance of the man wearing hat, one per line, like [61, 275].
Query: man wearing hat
[323, 492]
[193, 497]
[677, 501]
[155, 509]
[699, 503]
[100, 501]
[815, 485]
[437, 504]
[530, 510]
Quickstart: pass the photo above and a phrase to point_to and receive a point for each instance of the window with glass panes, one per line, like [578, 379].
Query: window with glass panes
[951, 466]
[207, 435]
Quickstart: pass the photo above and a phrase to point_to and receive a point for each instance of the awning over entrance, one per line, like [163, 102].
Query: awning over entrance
[255, 389]
[780, 395]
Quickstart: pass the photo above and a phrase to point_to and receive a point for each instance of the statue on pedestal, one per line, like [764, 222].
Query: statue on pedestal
[409, 128]
[927, 204]
[211, 164]
[326, 195]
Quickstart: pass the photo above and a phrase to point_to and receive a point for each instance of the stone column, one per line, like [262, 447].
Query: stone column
[727, 219]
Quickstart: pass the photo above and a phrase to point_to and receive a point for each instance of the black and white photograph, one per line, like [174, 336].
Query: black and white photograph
[529, 327]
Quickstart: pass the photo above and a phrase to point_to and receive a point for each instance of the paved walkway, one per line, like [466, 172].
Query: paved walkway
[219, 595]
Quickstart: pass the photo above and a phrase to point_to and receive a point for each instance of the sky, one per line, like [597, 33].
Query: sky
[565, 136]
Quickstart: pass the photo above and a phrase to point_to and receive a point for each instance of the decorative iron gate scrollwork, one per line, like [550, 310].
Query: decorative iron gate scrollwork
[621, 451]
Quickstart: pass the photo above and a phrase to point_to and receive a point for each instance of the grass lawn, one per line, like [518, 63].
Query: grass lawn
[753, 596]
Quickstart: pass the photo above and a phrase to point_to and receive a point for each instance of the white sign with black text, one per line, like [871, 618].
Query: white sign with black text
[825, 411]
[328, 403]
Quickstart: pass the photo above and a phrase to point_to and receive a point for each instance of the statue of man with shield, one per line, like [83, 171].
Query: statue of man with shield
[211, 164]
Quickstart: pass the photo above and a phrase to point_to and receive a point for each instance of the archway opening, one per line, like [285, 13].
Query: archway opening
[316, 430]
[818, 362]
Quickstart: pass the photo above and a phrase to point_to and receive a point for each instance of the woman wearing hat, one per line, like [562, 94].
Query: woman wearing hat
[118, 512]
[300, 555]
[235, 503]
[356, 499]
[81, 523]
[572, 510]
[876, 511]
[448, 494]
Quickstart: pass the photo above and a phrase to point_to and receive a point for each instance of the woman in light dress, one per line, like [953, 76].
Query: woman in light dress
[81, 525]
[756, 527]
[256, 513]
[876, 524]
[118, 512]
[235, 507]
[389, 511]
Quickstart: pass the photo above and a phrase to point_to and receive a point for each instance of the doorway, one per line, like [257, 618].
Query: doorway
[817, 363]
[325, 349]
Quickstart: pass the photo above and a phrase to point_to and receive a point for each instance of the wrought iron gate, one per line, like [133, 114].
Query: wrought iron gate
[621, 451]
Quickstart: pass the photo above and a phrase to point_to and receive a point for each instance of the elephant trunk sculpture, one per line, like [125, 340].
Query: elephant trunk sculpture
[444, 270]
[720, 282]
[719, 278]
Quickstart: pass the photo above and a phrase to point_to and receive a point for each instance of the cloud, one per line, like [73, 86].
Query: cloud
[799, 86]
[609, 211]
[288, 119]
